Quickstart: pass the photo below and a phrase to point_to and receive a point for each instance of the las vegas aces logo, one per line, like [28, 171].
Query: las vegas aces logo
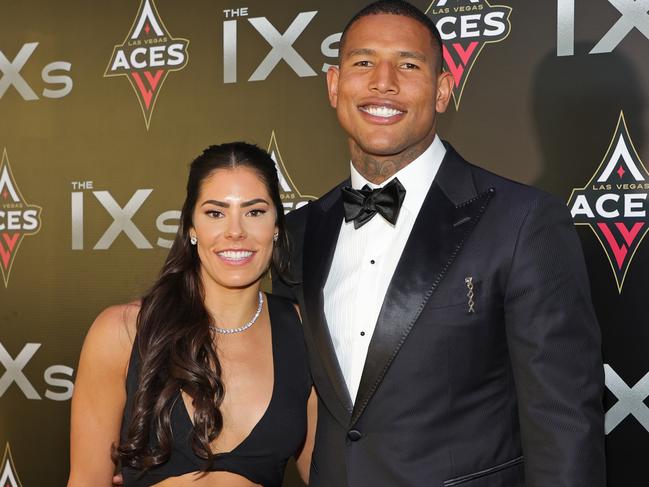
[18, 219]
[147, 56]
[466, 26]
[292, 198]
[614, 202]
[8, 474]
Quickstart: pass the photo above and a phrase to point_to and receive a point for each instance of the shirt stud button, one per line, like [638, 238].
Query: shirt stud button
[354, 435]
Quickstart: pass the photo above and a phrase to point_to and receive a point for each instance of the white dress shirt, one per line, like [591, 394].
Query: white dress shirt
[364, 262]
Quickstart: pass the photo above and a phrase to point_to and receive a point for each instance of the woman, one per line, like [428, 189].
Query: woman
[204, 382]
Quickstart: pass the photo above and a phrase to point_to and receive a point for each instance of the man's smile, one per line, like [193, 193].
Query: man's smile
[382, 112]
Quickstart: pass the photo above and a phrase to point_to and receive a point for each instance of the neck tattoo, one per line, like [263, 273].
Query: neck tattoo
[376, 170]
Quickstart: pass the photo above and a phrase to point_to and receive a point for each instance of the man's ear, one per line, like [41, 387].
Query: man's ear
[445, 82]
[333, 73]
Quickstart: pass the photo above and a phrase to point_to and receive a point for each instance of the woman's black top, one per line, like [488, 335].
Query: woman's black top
[261, 457]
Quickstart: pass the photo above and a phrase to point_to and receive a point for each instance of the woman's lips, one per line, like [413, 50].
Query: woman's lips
[236, 257]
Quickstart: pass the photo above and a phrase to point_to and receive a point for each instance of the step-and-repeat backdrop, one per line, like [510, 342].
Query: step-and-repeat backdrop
[104, 104]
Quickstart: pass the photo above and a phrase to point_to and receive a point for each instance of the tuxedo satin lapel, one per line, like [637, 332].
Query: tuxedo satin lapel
[439, 231]
[320, 240]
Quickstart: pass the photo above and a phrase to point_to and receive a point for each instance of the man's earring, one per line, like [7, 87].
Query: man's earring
[275, 236]
[193, 240]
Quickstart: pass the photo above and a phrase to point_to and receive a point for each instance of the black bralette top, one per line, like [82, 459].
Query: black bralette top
[261, 457]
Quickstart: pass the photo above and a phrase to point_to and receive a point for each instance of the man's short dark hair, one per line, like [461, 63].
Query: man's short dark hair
[405, 9]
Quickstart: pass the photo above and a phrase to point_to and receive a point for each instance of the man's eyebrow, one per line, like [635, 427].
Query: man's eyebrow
[413, 55]
[364, 51]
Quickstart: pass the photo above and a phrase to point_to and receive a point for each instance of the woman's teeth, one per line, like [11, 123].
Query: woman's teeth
[235, 254]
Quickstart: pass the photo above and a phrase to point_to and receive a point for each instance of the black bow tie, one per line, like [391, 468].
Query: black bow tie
[362, 205]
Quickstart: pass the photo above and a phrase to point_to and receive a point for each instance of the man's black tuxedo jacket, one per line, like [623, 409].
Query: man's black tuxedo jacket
[506, 395]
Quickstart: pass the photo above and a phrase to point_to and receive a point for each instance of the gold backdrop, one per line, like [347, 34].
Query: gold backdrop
[104, 104]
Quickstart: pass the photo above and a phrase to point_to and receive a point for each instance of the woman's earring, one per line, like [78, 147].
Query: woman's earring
[193, 240]
[276, 237]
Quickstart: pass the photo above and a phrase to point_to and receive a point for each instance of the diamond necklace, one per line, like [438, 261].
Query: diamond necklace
[228, 331]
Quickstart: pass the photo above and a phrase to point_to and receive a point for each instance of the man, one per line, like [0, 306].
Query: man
[447, 313]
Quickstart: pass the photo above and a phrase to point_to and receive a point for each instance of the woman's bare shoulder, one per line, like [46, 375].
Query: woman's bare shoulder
[112, 334]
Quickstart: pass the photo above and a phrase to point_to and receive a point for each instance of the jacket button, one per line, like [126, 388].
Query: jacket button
[354, 435]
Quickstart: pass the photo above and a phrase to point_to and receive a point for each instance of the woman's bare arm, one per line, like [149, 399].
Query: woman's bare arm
[99, 396]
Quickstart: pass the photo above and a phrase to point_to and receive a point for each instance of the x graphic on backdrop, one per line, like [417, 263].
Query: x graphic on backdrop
[635, 14]
[630, 400]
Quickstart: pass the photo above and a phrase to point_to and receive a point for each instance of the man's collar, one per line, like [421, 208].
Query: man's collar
[416, 177]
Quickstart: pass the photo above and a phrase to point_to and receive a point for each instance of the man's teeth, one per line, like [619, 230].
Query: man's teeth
[235, 254]
[381, 111]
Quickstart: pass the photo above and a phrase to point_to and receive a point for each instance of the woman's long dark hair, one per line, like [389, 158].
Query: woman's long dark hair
[174, 340]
